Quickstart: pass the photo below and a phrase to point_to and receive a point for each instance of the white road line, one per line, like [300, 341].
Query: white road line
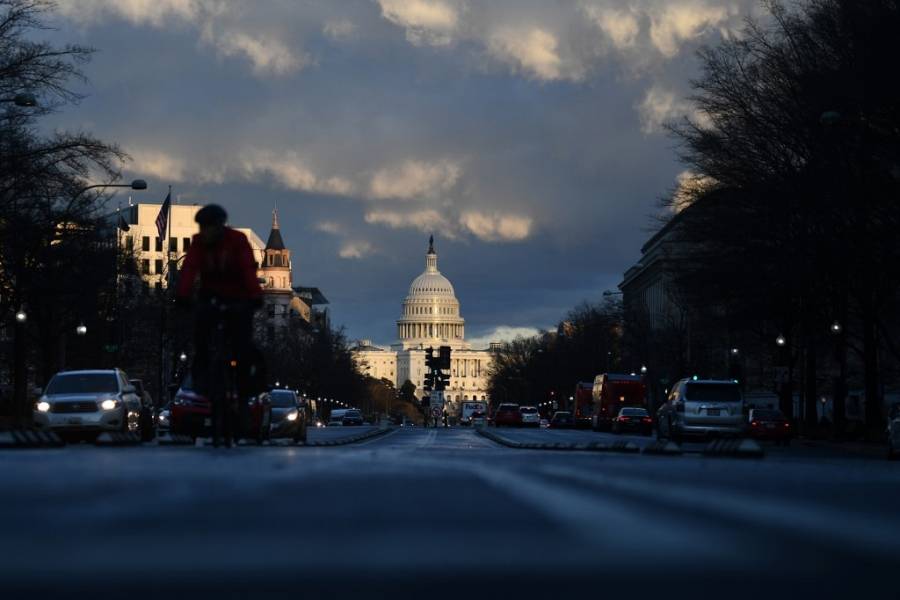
[841, 527]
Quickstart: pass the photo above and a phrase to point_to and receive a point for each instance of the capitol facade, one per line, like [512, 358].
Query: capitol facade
[430, 317]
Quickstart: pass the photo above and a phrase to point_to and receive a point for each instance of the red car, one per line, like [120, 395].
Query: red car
[191, 414]
[508, 415]
[770, 424]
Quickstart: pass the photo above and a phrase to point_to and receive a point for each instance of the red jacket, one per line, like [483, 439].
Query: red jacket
[226, 269]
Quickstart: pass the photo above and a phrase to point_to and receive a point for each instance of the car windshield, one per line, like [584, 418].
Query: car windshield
[634, 412]
[282, 399]
[83, 383]
[767, 414]
[712, 392]
[353, 414]
[507, 407]
[528, 410]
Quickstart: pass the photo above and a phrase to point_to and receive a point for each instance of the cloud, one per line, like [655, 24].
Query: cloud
[426, 220]
[689, 186]
[413, 179]
[339, 29]
[427, 22]
[137, 12]
[681, 21]
[267, 55]
[660, 106]
[292, 172]
[533, 52]
[493, 228]
[355, 249]
[620, 26]
[502, 333]
[153, 163]
[332, 227]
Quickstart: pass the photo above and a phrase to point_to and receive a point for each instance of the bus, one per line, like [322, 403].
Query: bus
[583, 406]
[613, 391]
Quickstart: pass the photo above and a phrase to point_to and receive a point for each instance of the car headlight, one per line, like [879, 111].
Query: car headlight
[43, 406]
[292, 416]
[108, 404]
[163, 417]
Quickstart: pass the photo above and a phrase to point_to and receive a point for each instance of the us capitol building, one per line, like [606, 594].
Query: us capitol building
[430, 318]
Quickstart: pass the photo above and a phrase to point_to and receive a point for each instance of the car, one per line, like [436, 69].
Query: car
[545, 423]
[87, 403]
[702, 408]
[508, 415]
[149, 423]
[352, 417]
[288, 415]
[530, 416]
[635, 419]
[163, 420]
[478, 419]
[893, 432]
[191, 414]
[770, 424]
[562, 419]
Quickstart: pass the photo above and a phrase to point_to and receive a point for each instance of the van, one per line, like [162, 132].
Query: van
[702, 408]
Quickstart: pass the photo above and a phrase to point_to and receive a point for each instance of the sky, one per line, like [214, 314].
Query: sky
[526, 135]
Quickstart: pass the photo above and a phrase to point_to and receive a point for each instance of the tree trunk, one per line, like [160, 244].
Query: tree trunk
[870, 360]
[20, 376]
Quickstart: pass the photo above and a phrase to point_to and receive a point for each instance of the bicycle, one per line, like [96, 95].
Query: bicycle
[223, 366]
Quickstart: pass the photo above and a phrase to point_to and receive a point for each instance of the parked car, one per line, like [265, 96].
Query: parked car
[149, 425]
[352, 417]
[633, 419]
[478, 419]
[91, 402]
[702, 408]
[508, 415]
[163, 420]
[288, 415]
[191, 414]
[770, 424]
[530, 416]
[893, 432]
[562, 419]
[545, 423]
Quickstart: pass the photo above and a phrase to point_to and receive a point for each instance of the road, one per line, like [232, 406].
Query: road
[442, 513]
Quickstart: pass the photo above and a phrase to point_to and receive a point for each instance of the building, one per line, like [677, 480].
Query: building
[431, 317]
[151, 251]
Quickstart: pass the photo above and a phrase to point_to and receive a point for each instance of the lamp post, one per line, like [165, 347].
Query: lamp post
[137, 184]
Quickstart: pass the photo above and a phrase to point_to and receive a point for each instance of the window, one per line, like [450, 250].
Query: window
[159, 243]
[129, 243]
[145, 243]
[158, 266]
[185, 244]
[145, 265]
[173, 244]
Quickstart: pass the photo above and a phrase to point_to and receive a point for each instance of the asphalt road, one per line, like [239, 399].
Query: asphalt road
[442, 513]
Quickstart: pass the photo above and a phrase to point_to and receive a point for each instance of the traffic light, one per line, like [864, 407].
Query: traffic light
[429, 383]
[444, 381]
[444, 357]
[429, 359]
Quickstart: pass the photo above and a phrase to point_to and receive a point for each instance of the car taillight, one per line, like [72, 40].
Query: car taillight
[787, 424]
[623, 419]
[646, 420]
[754, 424]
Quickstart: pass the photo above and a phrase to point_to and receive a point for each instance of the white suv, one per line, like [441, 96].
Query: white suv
[702, 408]
[530, 416]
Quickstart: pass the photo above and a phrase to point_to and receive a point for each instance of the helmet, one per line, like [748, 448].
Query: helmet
[211, 214]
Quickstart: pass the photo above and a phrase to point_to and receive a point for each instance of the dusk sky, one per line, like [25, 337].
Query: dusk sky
[525, 134]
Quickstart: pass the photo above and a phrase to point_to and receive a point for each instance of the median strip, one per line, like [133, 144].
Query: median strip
[30, 438]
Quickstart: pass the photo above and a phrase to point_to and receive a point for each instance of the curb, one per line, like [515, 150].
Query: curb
[661, 447]
[118, 439]
[30, 438]
[349, 440]
[740, 448]
[626, 447]
[175, 440]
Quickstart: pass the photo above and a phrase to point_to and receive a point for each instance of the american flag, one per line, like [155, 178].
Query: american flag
[162, 219]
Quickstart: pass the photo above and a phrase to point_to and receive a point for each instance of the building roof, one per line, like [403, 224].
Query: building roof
[275, 242]
[311, 295]
[431, 285]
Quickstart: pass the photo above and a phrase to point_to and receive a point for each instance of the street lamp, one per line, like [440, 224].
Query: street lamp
[137, 184]
[608, 293]
[836, 327]
[81, 329]
[643, 369]
[182, 357]
[21, 317]
[735, 351]
[780, 340]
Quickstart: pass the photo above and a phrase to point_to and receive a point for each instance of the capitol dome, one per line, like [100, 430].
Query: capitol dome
[431, 311]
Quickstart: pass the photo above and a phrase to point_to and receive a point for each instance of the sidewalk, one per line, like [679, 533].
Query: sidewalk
[867, 449]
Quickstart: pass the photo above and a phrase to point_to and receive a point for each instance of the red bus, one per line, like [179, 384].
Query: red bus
[613, 391]
[583, 405]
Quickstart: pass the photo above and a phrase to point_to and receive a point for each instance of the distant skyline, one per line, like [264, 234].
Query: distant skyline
[526, 135]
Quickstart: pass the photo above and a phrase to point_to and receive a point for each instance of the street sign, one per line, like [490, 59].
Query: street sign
[435, 411]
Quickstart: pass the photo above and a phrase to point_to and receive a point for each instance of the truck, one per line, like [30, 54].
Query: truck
[612, 392]
[470, 407]
[583, 406]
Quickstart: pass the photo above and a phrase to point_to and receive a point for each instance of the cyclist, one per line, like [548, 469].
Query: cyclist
[222, 260]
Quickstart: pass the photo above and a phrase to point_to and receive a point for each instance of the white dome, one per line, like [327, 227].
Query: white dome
[430, 285]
